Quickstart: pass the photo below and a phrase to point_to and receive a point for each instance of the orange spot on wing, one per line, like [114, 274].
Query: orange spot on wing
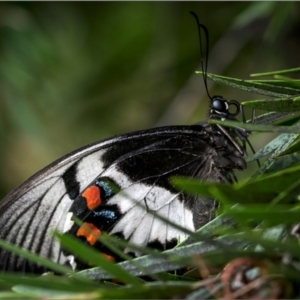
[90, 232]
[108, 257]
[92, 196]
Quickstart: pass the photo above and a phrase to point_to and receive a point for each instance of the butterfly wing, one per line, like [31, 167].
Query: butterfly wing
[111, 185]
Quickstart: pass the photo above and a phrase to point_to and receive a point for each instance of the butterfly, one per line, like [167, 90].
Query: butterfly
[114, 184]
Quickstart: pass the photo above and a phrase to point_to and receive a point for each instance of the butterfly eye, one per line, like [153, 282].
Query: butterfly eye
[237, 107]
[219, 105]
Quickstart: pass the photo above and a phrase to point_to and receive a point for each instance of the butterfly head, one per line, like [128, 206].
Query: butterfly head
[224, 109]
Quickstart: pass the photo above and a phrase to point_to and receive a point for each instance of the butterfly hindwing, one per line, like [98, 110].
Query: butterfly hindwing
[145, 188]
[137, 181]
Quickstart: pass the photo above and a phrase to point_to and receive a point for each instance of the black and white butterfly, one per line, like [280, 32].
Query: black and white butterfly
[102, 183]
[111, 185]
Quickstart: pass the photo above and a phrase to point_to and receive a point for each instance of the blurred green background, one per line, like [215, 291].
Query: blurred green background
[75, 73]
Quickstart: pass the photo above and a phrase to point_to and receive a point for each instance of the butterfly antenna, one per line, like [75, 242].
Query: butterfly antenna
[204, 58]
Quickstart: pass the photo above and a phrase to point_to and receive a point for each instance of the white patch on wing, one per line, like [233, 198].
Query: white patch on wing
[72, 261]
[129, 222]
[47, 199]
[89, 168]
[68, 222]
[156, 231]
[58, 222]
[54, 207]
[158, 197]
[124, 199]
[140, 235]
[120, 179]
[137, 225]
[14, 218]
[188, 219]
[177, 216]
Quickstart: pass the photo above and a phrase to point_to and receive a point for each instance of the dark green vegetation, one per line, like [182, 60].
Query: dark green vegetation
[75, 73]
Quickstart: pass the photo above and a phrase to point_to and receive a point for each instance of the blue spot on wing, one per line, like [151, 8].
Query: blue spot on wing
[106, 213]
[107, 186]
[104, 217]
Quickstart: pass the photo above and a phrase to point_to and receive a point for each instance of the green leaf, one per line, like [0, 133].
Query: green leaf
[34, 291]
[36, 258]
[272, 117]
[219, 258]
[254, 10]
[254, 86]
[12, 295]
[278, 105]
[289, 246]
[276, 216]
[281, 81]
[272, 146]
[293, 148]
[272, 164]
[254, 127]
[282, 162]
[262, 190]
[152, 290]
[170, 260]
[288, 81]
[49, 282]
[91, 256]
[280, 72]
[209, 229]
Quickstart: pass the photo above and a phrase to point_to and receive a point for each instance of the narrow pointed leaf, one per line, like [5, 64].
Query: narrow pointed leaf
[272, 117]
[289, 246]
[270, 164]
[47, 263]
[50, 282]
[263, 190]
[90, 255]
[293, 148]
[287, 71]
[254, 86]
[254, 127]
[278, 105]
[272, 146]
[283, 162]
[170, 260]
[280, 81]
[261, 213]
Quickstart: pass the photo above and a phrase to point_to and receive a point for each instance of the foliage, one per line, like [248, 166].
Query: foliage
[76, 72]
[251, 249]
[253, 244]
